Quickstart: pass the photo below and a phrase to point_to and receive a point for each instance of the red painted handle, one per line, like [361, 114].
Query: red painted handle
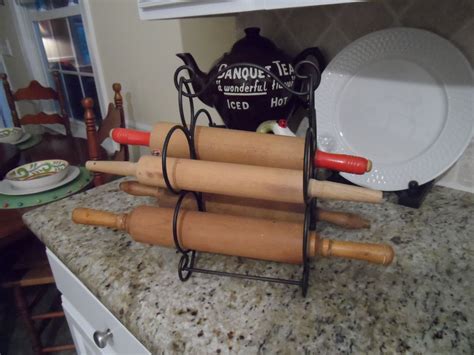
[130, 136]
[341, 162]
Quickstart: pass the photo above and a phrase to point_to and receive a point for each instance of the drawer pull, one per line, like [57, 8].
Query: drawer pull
[101, 338]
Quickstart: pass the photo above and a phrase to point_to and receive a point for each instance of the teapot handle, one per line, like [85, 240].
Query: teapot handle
[320, 62]
[313, 52]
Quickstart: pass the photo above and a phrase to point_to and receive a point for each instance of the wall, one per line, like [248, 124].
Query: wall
[207, 39]
[333, 27]
[141, 55]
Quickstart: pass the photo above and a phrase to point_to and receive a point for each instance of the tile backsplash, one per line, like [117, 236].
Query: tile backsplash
[333, 27]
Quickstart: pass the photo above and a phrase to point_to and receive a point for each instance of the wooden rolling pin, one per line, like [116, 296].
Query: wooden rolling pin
[240, 147]
[230, 235]
[247, 207]
[234, 180]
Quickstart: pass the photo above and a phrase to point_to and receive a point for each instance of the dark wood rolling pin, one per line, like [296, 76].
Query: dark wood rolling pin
[238, 180]
[230, 235]
[238, 206]
[240, 147]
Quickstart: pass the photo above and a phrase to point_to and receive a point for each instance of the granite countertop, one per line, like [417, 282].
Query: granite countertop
[422, 303]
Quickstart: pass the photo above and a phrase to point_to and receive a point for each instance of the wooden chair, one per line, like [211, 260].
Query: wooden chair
[115, 118]
[35, 91]
[31, 274]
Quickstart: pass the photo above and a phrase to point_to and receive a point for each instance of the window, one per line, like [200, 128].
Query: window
[61, 40]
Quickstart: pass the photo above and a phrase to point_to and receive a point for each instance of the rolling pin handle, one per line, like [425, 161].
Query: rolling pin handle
[342, 162]
[93, 217]
[375, 253]
[136, 189]
[335, 191]
[130, 136]
[344, 219]
[112, 167]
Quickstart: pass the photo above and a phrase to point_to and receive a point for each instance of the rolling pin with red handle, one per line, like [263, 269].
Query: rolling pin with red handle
[247, 207]
[230, 235]
[240, 147]
[238, 180]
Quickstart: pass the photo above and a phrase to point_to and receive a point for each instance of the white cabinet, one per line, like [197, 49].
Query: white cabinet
[80, 329]
[165, 9]
[86, 316]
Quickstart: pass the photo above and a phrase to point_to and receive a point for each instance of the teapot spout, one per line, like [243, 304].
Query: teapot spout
[199, 79]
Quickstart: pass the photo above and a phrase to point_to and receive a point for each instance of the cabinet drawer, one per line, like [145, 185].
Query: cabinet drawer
[93, 314]
[80, 330]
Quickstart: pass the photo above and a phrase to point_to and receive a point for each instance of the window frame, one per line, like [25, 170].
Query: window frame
[34, 56]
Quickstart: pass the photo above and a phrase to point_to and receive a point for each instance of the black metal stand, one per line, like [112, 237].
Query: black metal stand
[415, 194]
[309, 82]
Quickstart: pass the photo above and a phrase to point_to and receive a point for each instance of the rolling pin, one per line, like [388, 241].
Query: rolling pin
[240, 147]
[230, 235]
[247, 207]
[238, 180]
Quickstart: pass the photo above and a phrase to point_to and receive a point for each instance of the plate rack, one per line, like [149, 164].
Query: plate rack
[307, 77]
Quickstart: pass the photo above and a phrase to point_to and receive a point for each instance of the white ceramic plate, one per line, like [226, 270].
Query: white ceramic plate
[401, 97]
[23, 138]
[7, 189]
[10, 135]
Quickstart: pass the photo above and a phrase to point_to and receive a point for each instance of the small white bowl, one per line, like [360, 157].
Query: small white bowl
[37, 174]
[10, 135]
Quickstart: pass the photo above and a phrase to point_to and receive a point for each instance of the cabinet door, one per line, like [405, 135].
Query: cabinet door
[163, 9]
[89, 315]
[79, 329]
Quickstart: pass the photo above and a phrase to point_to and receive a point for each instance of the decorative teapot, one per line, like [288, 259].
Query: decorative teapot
[246, 96]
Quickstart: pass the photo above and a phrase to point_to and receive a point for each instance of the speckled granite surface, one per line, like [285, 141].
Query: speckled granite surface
[422, 303]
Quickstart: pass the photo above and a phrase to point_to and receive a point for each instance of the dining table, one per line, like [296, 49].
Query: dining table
[51, 146]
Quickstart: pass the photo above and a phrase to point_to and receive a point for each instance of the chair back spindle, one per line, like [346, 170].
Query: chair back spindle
[92, 137]
[114, 119]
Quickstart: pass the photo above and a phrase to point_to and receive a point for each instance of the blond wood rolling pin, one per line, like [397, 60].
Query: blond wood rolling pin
[248, 207]
[233, 180]
[230, 235]
[240, 147]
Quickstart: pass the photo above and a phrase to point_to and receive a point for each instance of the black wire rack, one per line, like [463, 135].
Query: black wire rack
[308, 77]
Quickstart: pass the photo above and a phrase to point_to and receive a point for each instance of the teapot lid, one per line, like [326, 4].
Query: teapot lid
[253, 40]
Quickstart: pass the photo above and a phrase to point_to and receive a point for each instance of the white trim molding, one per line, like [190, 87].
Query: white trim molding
[95, 55]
